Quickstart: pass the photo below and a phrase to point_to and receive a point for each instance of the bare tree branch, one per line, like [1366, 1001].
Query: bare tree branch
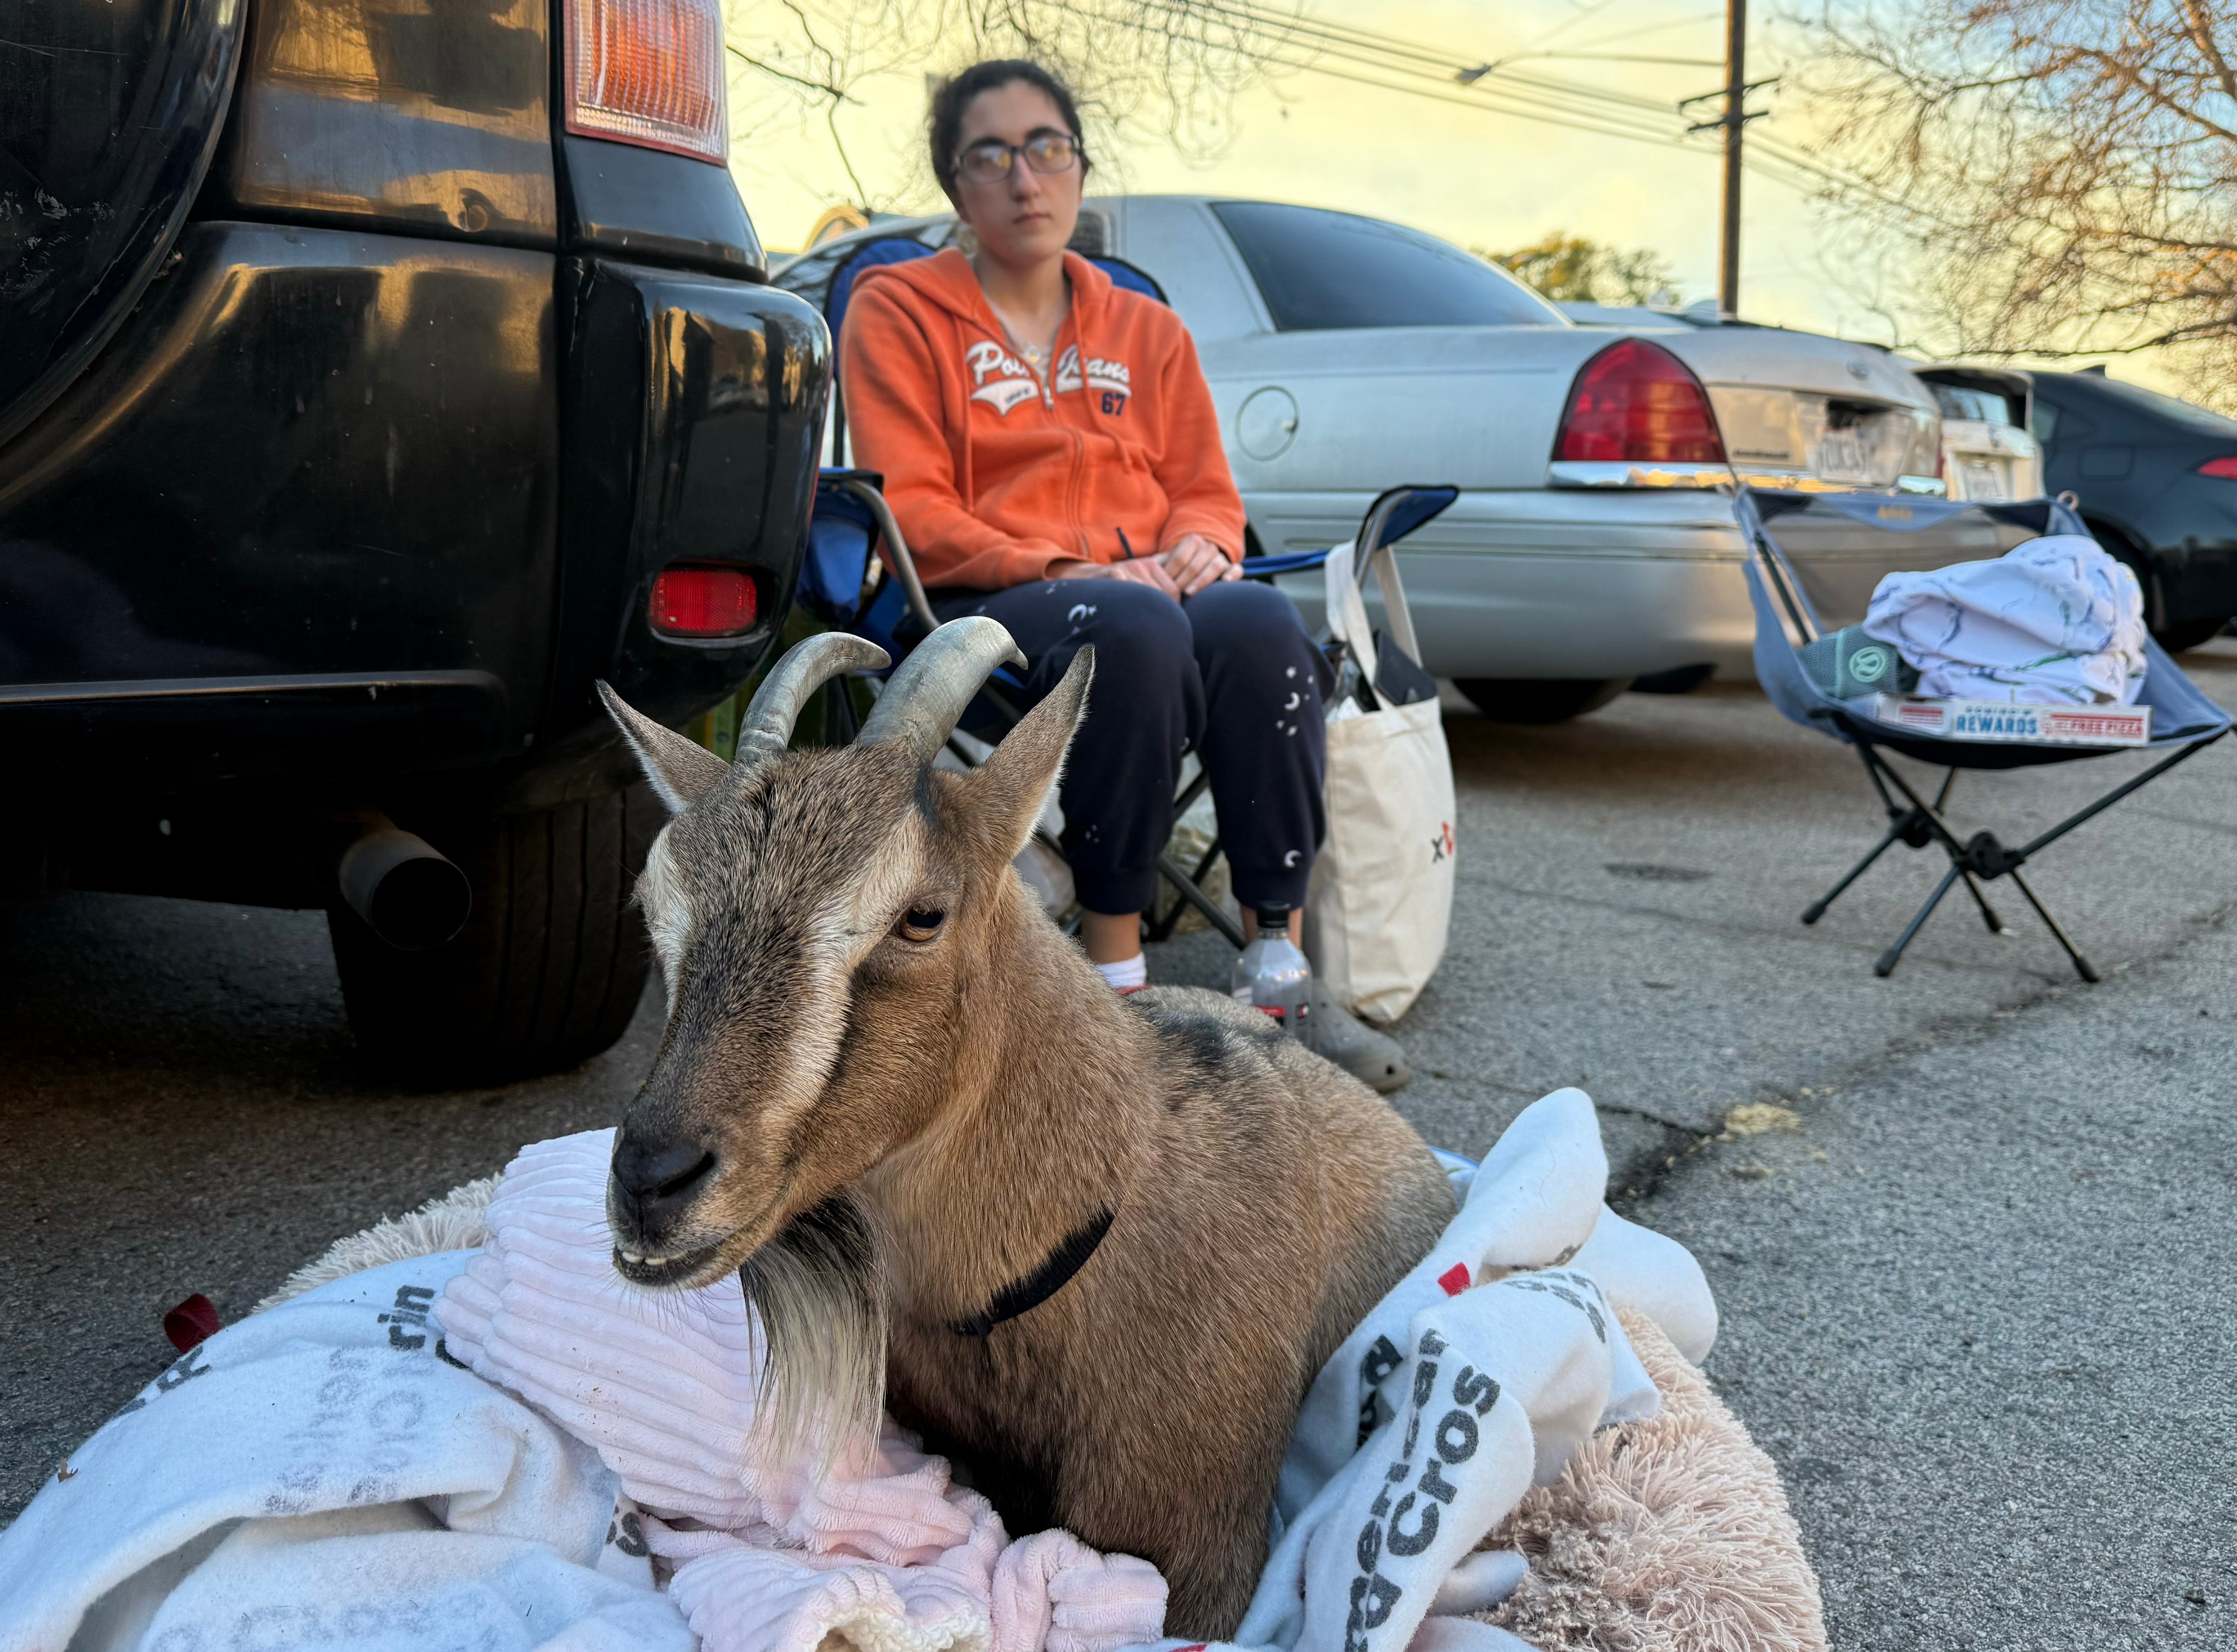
[2064, 172]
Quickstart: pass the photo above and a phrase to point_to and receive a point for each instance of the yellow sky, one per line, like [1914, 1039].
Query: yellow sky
[1478, 178]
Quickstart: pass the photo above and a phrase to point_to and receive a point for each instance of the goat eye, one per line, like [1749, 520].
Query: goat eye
[922, 923]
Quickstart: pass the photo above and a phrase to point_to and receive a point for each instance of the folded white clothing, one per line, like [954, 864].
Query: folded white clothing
[2055, 620]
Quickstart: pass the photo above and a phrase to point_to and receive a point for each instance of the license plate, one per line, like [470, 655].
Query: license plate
[1986, 478]
[1840, 456]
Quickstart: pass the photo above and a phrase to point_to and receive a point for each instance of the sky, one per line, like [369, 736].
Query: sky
[1482, 179]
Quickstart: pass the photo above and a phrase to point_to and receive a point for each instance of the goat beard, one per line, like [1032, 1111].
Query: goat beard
[820, 1293]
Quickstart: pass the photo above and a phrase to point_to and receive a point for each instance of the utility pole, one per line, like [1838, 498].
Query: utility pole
[1736, 90]
[1735, 93]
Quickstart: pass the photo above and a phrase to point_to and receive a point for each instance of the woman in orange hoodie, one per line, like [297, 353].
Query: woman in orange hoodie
[1051, 453]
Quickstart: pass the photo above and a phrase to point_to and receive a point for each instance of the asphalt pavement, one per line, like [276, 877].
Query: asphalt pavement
[1984, 1334]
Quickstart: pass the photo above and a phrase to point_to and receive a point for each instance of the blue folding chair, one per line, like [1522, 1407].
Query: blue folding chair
[2184, 722]
[858, 576]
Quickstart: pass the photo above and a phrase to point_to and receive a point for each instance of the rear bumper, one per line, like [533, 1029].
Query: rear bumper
[1577, 583]
[1549, 583]
[343, 508]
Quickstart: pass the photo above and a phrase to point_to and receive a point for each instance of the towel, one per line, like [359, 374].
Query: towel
[324, 1472]
[2053, 622]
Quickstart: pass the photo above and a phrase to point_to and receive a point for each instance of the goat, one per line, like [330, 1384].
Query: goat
[1094, 1248]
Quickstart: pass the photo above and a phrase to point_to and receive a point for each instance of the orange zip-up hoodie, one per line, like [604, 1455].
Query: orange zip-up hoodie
[994, 474]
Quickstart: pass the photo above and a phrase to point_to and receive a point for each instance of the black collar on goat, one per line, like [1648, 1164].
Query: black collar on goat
[1023, 1296]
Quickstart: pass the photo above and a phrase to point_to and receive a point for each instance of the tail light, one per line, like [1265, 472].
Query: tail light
[2224, 467]
[649, 72]
[1636, 401]
[704, 601]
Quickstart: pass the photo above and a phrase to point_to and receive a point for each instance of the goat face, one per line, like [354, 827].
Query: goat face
[817, 916]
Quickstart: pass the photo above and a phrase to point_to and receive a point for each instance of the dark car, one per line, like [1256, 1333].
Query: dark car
[374, 376]
[2156, 478]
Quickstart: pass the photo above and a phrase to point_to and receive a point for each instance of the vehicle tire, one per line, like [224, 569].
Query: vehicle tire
[1533, 700]
[1679, 680]
[2190, 634]
[547, 971]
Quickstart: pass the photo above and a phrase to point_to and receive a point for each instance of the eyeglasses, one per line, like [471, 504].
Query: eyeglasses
[991, 161]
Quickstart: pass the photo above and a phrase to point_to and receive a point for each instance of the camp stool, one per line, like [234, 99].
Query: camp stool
[2183, 720]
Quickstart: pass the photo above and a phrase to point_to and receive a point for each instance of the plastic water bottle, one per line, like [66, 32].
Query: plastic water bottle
[1271, 974]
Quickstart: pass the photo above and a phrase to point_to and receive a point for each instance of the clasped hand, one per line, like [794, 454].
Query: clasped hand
[1184, 569]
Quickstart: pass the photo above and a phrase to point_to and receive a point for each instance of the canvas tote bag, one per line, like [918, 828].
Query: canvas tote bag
[1380, 898]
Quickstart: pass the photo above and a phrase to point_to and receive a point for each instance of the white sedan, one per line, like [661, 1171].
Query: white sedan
[1589, 547]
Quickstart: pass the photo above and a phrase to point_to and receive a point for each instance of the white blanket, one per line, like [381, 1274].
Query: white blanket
[2053, 622]
[332, 1468]
[321, 1473]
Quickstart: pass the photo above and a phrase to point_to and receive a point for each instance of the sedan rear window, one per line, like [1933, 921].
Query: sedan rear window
[1319, 270]
[1967, 401]
[2174, 407]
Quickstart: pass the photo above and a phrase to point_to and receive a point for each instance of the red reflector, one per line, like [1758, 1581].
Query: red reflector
[2225, 469]
[704, 601]
[1636, 401]
[649, 72]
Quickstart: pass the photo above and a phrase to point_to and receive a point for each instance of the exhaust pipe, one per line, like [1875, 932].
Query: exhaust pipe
[405, 891]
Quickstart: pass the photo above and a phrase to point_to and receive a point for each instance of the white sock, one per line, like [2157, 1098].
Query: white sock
[1127, 973]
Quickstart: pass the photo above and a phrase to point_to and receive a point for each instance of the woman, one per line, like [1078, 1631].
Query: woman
[1052, 452]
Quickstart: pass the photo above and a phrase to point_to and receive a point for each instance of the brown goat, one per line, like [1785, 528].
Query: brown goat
[896, 1098]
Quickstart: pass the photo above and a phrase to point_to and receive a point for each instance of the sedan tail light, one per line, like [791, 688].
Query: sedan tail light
[704, 601]
[2224, 467]
[1635, 401]
[649, 72]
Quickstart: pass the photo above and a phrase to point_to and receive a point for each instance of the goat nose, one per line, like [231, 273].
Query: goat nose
[657, 1183]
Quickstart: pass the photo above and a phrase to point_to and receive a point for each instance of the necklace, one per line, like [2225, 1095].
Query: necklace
[1034, 356]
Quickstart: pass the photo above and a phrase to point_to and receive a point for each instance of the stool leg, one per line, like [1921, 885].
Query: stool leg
[1816, 909]
[1893, 956]
[1988, 912]
[2081, 966]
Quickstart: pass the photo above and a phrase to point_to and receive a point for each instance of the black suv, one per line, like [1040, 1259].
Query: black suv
[374, 375]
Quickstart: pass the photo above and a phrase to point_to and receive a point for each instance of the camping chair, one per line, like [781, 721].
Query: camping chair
[844, 584]
[858, 576]
[2183, 720]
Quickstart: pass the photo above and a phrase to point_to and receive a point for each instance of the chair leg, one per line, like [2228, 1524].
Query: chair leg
[2081, 966]
[1988, 912]
[1886, 965]
[1163, 928]
[1188, 891]
[1816, 909]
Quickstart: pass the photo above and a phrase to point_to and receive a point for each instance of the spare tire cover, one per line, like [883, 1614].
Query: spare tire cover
[109, 111]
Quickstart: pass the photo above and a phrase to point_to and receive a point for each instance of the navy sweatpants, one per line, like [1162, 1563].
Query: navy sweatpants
[1230, 674]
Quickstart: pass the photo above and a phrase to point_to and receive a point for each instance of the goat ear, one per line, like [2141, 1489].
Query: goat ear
[680, 770]
[1009, 788]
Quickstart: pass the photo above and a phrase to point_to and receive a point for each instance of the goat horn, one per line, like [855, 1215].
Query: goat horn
[925, 698]
[767, 729]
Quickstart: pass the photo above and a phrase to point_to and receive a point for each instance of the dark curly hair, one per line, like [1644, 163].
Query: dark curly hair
[954, 95]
